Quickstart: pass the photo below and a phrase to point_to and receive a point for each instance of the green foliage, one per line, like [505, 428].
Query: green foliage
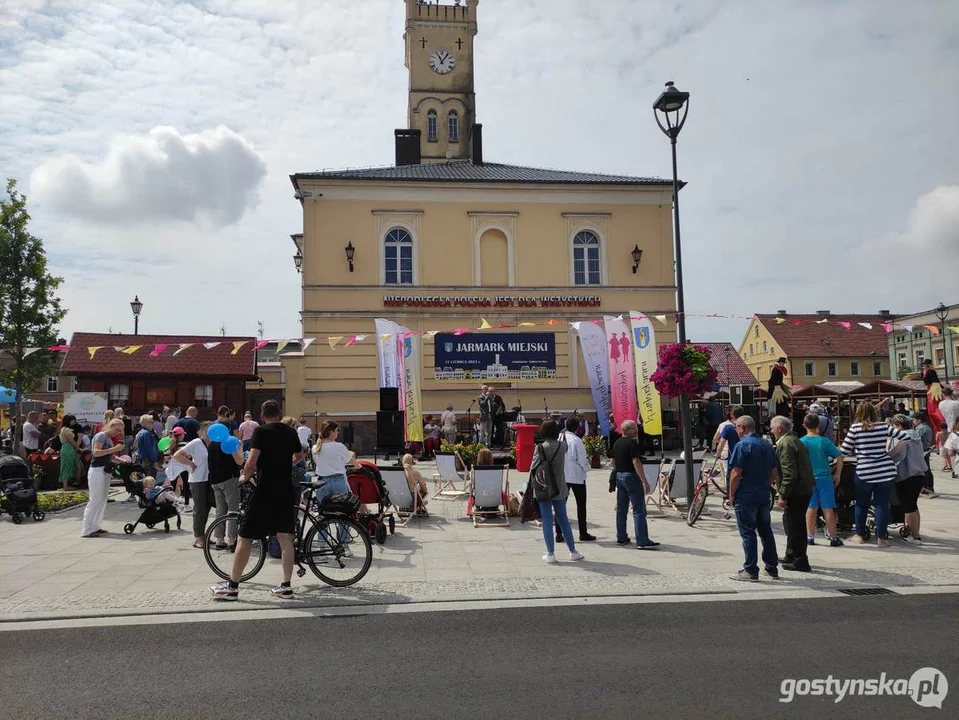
[62, 499]
[595, 445]
[30, 310]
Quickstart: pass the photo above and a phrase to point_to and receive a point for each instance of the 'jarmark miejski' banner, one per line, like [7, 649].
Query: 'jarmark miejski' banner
[644, 357]
[399, 358]
[622, 380]
[592, 340]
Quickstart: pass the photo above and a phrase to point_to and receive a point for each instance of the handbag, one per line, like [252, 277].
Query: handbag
[528, 507]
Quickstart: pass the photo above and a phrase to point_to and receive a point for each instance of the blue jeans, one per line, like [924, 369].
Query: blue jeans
[876, 494]
[630, 489]
[334, 485]
[546, 510]
[752, 518]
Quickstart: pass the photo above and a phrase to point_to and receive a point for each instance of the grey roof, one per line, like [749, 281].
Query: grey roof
[485, 173]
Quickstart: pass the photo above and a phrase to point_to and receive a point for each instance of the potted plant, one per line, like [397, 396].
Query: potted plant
[595, 449]
[683, 370]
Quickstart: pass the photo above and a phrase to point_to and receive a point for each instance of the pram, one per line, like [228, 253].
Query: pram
[151, 514]
[846, 506]
[367, 484]
[17, 494]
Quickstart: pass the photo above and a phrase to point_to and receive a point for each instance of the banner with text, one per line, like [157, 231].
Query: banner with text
[592, 340]
[408, 350]
[494, 356]
[622, 380]
[644, 356]
[387, 335]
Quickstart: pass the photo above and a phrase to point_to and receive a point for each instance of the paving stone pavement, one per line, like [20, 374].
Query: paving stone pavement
[47, 570]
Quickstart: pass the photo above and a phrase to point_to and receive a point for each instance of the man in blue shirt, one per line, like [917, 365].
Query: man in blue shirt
[190, 425]
[752, 471]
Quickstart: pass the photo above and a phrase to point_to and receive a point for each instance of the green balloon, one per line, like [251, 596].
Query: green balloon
[164, 444]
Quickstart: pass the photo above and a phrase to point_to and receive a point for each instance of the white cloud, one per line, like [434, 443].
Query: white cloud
[211, 177]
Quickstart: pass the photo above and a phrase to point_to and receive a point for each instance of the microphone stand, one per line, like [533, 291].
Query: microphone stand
[469, 422]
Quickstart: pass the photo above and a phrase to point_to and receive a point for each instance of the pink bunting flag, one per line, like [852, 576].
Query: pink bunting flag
[797, 322]
[553, 322]
[261, 344]
[158, 349]
[887, 327]
[460, 331]
[845, 324]
[59, 348]
[351, 341]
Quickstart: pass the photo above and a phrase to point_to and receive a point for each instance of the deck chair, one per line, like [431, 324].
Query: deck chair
[447, 476]
[490, 486]
[406, 504]
[654, 469]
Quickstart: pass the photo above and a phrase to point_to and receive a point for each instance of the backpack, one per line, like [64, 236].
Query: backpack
[542, 481]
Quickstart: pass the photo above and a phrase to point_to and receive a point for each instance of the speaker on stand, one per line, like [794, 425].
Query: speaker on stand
[389, 399]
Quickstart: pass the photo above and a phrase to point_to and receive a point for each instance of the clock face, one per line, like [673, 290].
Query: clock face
[442, 62]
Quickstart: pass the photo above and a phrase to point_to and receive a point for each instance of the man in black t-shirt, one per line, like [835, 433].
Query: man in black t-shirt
[631, 488]
[274, 449]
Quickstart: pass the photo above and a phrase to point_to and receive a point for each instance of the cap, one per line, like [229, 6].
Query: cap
[816, 408]
[179, 431]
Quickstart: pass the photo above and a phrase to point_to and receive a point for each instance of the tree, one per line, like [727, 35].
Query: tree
[30, 310]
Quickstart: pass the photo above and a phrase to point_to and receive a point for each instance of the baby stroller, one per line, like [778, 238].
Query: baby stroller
[845, 501]
[17, 494]
[367, 484]
[152, 513]
[897, 516]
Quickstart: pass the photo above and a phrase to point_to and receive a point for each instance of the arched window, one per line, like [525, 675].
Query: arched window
[431, 129]
[398, 256]
[454, 126]
[586, 269]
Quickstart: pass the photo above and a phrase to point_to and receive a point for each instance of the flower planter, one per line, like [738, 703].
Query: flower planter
[683, 370]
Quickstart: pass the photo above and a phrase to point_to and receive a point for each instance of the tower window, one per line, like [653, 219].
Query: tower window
[398, 255]
[431, 127]
[586, 269]
[454, 126]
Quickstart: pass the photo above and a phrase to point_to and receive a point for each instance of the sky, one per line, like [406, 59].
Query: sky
[155, 140]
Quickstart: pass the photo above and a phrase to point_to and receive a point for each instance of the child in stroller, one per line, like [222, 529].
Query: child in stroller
[157, 503]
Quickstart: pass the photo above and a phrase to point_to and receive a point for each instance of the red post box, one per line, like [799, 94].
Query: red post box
[525, 445]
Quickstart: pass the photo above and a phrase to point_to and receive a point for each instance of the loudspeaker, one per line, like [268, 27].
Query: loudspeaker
[389, 430]
[390, 399]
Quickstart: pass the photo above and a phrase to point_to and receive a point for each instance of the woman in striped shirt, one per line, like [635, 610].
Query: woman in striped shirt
[868, 440]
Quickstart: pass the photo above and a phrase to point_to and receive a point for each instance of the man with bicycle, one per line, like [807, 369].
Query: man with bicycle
[274, 449]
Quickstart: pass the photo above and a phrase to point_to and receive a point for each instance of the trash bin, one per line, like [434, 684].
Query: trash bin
[525, 444]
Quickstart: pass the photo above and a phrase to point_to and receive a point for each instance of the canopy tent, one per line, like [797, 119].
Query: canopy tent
[881, 389]
[832, 390]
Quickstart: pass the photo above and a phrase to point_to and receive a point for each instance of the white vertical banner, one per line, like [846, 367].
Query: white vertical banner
[592, 340]
[645, 359]
[387, 335]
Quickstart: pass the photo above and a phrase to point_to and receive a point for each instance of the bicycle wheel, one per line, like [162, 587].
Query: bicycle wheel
[221, 561]
[699, 502]
[338, 551]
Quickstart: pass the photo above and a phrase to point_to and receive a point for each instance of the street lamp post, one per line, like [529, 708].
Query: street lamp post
[942, 312]
[670, 110]
[136, 306]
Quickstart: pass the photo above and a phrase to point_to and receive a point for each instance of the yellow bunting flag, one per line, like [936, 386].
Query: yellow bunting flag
[281, 346]
[237, 344]
[527, 324]
[485, 325]
[820, 322]
[183, 346]
[131, 349]
[334, 340]
[430, 333]
[780, 321]
[93, 350]
[660, 319]
[954, 328]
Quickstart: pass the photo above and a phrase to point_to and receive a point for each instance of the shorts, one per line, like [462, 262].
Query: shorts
[908, 492]
[823, 495]
[268, 515]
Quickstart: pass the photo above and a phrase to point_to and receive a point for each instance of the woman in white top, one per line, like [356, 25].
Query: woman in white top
[106, 445]
[330, 457]
[576, 465]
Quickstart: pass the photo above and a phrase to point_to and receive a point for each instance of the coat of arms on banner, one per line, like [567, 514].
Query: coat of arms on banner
[642, 337]
[448, 347]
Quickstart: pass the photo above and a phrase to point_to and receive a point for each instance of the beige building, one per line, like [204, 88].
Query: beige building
[817, 349]
[444, 239]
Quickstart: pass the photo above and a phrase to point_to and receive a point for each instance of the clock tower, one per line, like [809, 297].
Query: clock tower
[439, 57]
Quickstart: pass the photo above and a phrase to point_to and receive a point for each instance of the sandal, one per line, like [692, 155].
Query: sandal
[198, 543]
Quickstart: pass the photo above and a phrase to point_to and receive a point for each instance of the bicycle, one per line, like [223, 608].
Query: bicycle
[709, 477]
[336, 548]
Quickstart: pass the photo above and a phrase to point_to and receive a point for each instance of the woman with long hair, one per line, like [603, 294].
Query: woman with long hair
[551, 493]
[911, 468]
[414, 478]
[330, 458]
[69, 456]
[867, 440]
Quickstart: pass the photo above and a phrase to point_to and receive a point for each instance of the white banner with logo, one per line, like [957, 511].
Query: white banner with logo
[387, 337]
[592, 340]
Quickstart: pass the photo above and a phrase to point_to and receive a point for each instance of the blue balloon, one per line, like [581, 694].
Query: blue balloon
[217, 433]
[230, 445]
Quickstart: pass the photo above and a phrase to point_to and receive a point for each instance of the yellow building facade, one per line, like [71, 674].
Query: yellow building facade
[444, 240]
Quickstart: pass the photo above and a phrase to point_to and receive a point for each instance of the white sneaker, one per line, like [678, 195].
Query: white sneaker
[574, 556]
[549, 558]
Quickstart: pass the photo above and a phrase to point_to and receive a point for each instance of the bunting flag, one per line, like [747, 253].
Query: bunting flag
[259, 345]
[645, 358]
[333, 340]
[485, 325]
[887, 327]
[460, 331]
[954, 328]
[130, 349]
[307, 342]
[351, 341]
[845, 324]
[868, 326]
[281, 346]
[797, 322]
[27, 352]
[820, 322]
[527, 324]
[908, 328]
[361, 338]
[237, 344]
[59, 348]
[780, 321]
[932, 328]
[553, 322]
[661, 319]
[210, 346]
[93, 350]
[430, 333]
[183, 346]
[158, 349]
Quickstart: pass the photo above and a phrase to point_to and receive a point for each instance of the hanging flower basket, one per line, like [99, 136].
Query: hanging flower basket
[683, 370]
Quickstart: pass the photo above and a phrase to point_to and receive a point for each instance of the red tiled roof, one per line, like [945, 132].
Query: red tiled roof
[739, 373]
[195, 361]
[828, 339]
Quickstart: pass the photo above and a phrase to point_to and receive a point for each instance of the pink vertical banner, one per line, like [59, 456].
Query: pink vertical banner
[622, 377]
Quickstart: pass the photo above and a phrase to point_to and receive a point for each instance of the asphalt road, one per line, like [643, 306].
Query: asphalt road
[689, 660]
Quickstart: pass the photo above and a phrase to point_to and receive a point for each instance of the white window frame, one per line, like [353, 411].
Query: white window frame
[432, 126]
[414, 244]
[118, 395]
[854, 368]
[936, 352]
[202, 400]
[920, 356]
[52, 383]
[453, 126]
[832, 369]
[903, 360]
[810, 369]
[601, 247]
